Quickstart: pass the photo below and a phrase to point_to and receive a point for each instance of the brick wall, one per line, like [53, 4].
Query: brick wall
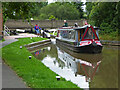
[14, 24]
[1, 21]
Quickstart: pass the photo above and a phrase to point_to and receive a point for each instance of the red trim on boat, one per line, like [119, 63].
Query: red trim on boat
[86, 32]
[94, 32]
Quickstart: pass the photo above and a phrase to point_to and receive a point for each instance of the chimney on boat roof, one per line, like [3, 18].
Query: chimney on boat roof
[86, 22]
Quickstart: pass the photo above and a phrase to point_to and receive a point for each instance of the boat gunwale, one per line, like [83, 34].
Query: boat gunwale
[67, 42]
[78, 49]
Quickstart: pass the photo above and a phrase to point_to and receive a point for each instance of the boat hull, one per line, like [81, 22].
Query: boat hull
[80, 49]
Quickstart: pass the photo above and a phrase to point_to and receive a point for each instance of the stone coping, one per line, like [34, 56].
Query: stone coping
[108, 42]
[39, 42]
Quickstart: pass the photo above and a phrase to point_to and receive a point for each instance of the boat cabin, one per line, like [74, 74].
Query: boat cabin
[79, 39]
[78, 34]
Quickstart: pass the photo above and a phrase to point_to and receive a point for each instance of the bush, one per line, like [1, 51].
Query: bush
[105, 28]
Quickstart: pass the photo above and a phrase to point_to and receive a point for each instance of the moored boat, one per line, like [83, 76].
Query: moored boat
[79, 39]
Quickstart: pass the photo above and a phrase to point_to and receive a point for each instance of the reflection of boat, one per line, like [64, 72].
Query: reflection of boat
[87, 57]
[79, 66]
[85, 65]
[79, 39]
[37, 52]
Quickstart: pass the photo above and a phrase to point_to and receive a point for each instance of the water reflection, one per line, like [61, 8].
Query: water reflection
[79, 68]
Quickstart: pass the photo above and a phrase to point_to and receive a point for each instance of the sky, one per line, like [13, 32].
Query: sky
[84, 1]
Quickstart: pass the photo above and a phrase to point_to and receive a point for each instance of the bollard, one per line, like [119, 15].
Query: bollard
[76, 74]
[30, 57]
[20, 47]
[58, 78]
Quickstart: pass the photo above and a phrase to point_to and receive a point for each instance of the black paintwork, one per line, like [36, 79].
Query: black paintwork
[92, 48]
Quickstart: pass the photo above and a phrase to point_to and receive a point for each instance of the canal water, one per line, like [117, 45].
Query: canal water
[85, 70]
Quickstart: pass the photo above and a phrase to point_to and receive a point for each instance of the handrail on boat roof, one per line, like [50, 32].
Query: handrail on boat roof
[84, 27]
[77, 28]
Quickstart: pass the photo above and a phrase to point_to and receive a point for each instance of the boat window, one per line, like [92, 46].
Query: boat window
[64, 34]
[67, 34]
[81, 33]
[90, 34]
[72, 35]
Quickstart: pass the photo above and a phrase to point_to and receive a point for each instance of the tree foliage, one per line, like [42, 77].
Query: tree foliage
[78, 5]
[105, 15]
[21, 10]
[64, 10]
[41, 10]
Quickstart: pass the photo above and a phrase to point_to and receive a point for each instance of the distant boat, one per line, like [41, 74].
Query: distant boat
[79, 39]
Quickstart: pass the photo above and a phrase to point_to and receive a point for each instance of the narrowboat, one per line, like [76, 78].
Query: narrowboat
[83, 39]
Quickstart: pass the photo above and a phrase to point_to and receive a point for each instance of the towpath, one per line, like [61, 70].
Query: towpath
[8, 78]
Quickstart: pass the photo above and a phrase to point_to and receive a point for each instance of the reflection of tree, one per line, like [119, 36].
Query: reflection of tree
[44, 52]
[87, 65]
[107, 77]
[60, 63]
[53, 51]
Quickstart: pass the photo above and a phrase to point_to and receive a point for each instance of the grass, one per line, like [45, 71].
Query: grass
[109, 37]
[2, 40]
[32, 71]
[54, 34]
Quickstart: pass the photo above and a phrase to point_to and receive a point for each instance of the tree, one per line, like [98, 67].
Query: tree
[105, 15]
[36, 10]
[21, 10]
[61, 11]
[89, 6]
[78, 5]
[52, 18]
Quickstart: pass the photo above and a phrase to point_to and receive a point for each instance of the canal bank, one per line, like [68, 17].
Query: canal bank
[33, 72]
[112, 43]
[109, 62]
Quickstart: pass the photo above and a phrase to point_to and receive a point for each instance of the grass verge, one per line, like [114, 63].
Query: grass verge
[2, 40]
[32, 71]
[54, 34]
[109, 37]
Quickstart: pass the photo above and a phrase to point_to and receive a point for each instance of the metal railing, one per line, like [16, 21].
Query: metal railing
[6, 31]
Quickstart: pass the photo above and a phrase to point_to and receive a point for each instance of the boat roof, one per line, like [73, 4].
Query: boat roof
[85, 26]
[66, 28]
[77, 28]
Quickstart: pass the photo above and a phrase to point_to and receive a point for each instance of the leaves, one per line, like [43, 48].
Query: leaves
[105, 15]
[21, 10]
[61, 10]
